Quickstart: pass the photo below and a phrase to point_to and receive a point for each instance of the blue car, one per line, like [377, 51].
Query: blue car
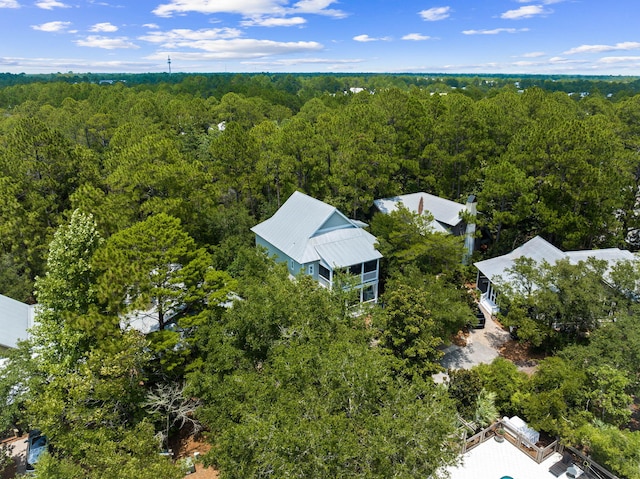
[36, 445]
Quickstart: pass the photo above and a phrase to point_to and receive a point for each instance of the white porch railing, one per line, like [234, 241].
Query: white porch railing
[489, 305]
[370, 276]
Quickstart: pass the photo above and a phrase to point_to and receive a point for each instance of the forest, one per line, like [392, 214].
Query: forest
[119, 196]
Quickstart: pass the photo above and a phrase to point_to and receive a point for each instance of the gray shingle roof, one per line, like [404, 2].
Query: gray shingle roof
[308, 230]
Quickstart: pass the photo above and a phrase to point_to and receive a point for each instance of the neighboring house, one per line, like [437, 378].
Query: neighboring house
[492, 271]
[15, 320]
[315, 238]
[447, 214]
[145, 322]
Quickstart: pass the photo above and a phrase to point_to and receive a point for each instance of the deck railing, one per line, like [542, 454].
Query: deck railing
[370, 276]
[592, 468]
[538, 454]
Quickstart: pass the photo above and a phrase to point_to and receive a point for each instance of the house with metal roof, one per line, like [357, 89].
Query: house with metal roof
[495, 270]
[446, 213]
[448, 216]
[15, 320]
[314, 238]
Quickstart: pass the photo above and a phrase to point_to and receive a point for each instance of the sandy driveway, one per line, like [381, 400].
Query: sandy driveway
[19, 453]
[482, 347]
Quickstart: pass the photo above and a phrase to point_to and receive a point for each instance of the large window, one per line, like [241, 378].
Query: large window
[356, 269]
[324, 272]
[368, 294]
[370, 271]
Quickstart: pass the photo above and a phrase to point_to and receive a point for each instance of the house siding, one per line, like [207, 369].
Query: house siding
[292, 265]
[15, 319]
[335, 221]
[306, 232]
[315, 267]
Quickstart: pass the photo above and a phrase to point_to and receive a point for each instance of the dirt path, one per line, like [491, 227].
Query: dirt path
[194, 447]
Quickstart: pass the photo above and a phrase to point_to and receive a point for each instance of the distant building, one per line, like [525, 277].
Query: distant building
[314, 238]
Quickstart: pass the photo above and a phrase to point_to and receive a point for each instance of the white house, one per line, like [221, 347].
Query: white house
[447, 215]
[315, 238]
[15, 320]
[495, 270]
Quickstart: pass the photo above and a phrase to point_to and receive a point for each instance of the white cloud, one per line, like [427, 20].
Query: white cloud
[367, 38]
[9, 4]
[318, 7]
[524, 12]
[303, 61]
[154, 26]
[107, 43]
[248, 8]
[603, 48]
[626, 59]
[364, 38]
[533, 55]
[562, 60]
[182, 35]
[242, 7]
[103, 27]
[43, 64]
[274, 22]
[494, 31]
[238, 48]
[51, 4]
[436, 13]
[523, 63]
[416, 37]
[51, 26]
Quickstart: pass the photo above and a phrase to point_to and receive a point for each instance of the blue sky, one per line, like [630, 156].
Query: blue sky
[589, 37]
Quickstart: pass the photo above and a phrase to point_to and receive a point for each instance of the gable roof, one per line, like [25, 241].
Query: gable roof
[541, 250]
[308, 230]
[446, 213]
[15, 320]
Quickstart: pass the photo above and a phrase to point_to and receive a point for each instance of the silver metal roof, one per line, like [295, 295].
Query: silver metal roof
[304, 227]
[444, 211]
[611, 255]
[541, 250]
[15, 319]
[338, 249]
[537, 249]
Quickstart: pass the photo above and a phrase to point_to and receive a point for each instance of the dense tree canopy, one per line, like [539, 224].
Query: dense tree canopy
[173, 171]
[294, 386]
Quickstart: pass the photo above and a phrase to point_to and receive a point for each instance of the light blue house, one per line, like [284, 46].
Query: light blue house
[15, 320]
[315, 238]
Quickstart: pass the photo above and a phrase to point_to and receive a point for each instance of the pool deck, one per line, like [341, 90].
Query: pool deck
[493, 460]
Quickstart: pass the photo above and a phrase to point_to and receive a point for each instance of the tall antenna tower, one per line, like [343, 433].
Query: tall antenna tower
[169, 63]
